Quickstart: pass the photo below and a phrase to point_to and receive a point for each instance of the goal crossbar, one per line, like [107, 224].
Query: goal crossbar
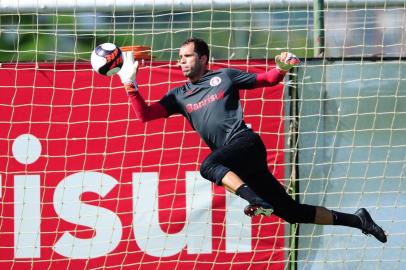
[7, 6]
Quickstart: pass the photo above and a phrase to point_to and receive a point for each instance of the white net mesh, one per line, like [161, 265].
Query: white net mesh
[86, 185]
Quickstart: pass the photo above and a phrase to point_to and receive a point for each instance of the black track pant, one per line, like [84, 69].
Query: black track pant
[246, 155]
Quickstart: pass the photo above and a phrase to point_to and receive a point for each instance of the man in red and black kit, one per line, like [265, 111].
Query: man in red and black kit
[210, 101]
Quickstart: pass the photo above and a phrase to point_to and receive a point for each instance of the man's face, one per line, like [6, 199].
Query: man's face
[191, 65]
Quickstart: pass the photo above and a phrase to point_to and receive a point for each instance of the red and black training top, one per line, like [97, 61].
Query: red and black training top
[211, 105]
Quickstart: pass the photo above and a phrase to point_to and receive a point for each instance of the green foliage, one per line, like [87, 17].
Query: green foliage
[71, 37]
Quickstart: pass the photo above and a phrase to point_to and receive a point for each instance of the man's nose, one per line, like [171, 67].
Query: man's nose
[180, 62]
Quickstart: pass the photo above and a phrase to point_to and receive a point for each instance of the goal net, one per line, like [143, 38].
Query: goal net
[85, 185]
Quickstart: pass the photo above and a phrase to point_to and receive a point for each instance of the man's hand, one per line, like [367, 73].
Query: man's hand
[286, 60]
[129, 69]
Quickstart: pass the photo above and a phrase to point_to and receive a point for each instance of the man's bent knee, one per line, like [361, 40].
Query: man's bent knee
[213, 171]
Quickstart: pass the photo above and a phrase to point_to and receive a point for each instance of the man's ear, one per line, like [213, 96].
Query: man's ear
[204, 59]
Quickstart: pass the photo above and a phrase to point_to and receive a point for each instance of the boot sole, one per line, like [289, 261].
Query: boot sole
[263, 211]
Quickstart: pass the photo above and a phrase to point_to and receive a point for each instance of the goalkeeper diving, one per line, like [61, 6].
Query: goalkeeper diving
[210, 102]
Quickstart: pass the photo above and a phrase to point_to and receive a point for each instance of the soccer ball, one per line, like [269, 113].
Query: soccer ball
[107, 59]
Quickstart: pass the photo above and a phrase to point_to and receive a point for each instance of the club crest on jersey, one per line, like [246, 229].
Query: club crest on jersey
[215, 81]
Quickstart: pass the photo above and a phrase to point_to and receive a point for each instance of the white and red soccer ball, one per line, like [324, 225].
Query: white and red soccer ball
[107, 59]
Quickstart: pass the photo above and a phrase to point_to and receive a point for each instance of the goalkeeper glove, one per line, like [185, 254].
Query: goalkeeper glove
[128, 72]
[286, 60]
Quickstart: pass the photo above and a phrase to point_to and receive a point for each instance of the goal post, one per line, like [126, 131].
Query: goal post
[83, 184]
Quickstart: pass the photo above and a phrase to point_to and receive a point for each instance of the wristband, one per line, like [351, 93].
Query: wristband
[281, 71]
[131, 87]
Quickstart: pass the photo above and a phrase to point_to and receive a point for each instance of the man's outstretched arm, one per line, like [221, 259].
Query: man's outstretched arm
[284, 62]
[143, 111]
[270, 78]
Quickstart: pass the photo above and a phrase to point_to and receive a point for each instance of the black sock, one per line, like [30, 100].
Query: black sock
[344, 219]
[245, 192]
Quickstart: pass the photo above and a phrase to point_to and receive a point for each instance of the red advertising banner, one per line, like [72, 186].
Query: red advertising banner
[85, 185]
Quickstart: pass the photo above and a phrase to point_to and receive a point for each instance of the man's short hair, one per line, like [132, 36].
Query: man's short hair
[201, 47]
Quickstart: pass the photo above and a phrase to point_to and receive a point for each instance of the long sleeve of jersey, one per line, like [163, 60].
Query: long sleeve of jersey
[144, 112]
[270, 78]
